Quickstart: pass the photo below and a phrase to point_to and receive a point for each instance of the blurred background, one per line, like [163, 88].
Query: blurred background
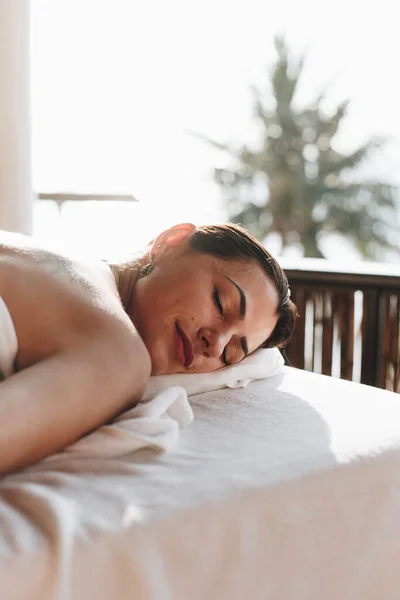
[282, 116]
[125, 117]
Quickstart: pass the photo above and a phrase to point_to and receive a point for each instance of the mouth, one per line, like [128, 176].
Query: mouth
[185, 347]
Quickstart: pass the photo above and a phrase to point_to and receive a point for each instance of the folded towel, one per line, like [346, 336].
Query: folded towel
[8, 342]
[154, 424]
[259, 365]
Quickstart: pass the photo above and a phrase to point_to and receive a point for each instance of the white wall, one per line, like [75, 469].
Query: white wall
[16, 193]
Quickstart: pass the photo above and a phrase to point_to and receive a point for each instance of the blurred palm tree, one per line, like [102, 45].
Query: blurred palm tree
[296, 184]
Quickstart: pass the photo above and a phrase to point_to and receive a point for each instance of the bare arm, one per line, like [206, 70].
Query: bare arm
[49, 405]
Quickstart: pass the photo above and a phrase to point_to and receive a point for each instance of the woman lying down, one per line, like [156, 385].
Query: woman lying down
[90, 335]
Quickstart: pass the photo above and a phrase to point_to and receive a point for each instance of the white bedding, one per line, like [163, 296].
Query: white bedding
[288, 489]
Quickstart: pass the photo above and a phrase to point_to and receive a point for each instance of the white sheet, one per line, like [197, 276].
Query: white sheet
[288, 489]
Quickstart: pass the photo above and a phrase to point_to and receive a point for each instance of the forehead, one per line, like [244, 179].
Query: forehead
[248, 274]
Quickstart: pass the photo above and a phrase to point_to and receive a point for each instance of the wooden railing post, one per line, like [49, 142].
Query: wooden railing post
[371, 345]
[347, 333]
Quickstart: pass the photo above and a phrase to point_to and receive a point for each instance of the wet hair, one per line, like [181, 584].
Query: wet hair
[234, 242]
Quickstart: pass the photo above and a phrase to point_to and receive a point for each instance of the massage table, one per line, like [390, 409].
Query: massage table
[286, 489]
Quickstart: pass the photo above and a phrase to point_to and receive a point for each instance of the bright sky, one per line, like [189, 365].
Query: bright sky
[116, 84]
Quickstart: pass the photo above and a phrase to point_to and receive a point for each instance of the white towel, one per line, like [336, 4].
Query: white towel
[8, 342]
[154, 424]
[259, 365]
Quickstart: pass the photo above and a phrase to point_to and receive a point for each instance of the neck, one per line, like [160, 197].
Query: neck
[125, 277]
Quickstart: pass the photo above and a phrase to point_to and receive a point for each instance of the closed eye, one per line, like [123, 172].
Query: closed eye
[223, 358]
[217, 301]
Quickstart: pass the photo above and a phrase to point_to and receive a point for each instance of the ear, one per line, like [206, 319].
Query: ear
[175, 237]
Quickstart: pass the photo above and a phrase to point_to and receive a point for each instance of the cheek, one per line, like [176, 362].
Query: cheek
[193, 306]
[160, 299]
[169, 298]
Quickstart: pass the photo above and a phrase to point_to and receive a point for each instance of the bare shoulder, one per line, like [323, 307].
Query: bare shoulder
[55, 311]
[26, 262]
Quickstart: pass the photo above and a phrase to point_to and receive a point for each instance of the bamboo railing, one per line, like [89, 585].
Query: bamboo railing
[349, 321]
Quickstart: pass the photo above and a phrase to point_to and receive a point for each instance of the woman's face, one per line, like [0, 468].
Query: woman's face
[196, 313]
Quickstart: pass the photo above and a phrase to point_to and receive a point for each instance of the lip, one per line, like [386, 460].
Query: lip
[187, 347]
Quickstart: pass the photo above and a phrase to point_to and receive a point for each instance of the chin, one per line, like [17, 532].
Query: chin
[155, 369]
[159, 367]
[158, 362]
[161, 361]
[166, 369]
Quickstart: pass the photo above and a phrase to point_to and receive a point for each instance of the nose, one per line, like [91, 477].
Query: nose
[213, 341]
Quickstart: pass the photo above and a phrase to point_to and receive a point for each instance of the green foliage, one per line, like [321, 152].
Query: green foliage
[296, 184]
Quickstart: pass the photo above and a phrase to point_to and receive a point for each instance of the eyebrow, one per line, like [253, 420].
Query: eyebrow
[242, 310]
[242, 313]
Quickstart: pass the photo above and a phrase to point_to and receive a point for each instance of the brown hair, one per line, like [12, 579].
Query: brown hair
[234, 242]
